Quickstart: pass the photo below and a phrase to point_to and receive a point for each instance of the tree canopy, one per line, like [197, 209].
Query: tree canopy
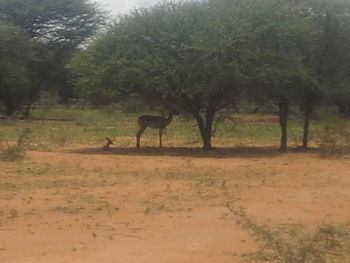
[16, 55]
[202, 57]
[198, 57]
[55, 29]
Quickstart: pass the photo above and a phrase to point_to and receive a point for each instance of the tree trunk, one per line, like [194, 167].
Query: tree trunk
[344, 109]
[206, 137]
[283, 118]
[308, 111]
[33, 94]
[341, 108]
[9, 105]
[205, 128]
[9, 109]
[26, 113]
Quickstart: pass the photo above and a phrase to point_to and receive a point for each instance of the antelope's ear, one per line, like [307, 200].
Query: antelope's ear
[109, 140]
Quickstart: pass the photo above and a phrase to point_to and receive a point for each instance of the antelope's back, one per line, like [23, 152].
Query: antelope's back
[151, 121]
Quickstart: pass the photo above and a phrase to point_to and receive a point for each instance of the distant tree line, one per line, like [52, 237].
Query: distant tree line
[205, 56]
[199, 57]
[37, 40]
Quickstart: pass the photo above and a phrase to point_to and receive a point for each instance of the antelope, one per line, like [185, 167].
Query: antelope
[106, 147]
[153, 122]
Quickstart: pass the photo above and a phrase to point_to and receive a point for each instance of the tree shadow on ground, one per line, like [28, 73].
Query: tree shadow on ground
[238, 152]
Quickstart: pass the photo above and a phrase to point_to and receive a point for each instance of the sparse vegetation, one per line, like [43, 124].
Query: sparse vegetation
[334, 136]
[12, 153]
[115, 197]
[17, 151]
[328, 243]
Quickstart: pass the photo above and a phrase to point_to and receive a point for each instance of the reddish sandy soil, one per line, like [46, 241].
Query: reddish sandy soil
[161, 206]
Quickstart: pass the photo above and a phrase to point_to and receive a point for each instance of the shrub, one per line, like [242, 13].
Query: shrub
[15, 152]
[335, 136]
[329, 243]
[12, 153]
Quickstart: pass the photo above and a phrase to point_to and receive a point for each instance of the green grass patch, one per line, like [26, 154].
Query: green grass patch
[65, 126]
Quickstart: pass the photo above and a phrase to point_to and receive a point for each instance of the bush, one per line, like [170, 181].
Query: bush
[328, 243]
[15, 152]
[335, 136]
[12, 153]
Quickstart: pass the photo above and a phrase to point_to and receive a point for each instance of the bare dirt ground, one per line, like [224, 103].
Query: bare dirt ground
[162, 206]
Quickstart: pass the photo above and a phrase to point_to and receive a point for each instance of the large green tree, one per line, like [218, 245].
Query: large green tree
[327, 56]
[332, 17]
[16, 56]
[171, 54]
[278, 36]
[56, 28]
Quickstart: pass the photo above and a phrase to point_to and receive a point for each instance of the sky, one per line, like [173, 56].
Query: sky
[123, 6]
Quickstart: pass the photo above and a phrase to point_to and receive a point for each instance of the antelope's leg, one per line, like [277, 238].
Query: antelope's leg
[160, 137]
[138, 136]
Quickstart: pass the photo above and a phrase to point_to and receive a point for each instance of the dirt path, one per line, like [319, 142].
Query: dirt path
[79, 207]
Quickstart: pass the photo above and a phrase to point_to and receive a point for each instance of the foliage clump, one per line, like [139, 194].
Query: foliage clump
[17, 151]
[37, 39]
[334, 136]
[328, 243]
